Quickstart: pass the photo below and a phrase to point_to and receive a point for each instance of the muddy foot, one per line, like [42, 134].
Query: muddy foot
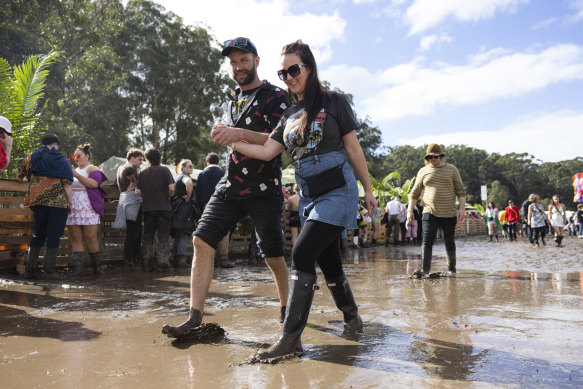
[201, 333]
[252, 360]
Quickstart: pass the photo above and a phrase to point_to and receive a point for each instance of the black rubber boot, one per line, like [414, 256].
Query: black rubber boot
[96, 263]
[560, 241]
[302, 287]
[50, 264]
[491, 236]
[426, 253]
[79, 259]
[496, 237]
[282, 314]
[31, 266]
[344, 299]
[542, 239]
[451, 260]
[183, 330]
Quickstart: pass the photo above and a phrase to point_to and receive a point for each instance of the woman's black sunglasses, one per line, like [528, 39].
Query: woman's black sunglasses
[293, 71]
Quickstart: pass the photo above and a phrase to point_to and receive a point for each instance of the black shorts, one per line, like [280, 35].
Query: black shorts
[221, 215]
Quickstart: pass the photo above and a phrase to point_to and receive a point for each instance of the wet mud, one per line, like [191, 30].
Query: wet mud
[512, 317]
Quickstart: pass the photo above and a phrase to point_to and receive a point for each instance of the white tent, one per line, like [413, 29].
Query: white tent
[109, 168]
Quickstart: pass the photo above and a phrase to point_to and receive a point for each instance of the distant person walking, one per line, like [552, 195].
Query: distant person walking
[49, 195]
[130, 206]
[537, 219]
[394, 210]
[441, 183]
[524, 216]
[155, 184]
[579, 216]
[558, 217]
[492, 219]
[512, 218]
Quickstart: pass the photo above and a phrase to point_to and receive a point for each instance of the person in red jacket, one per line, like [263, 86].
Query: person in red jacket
[512, 218]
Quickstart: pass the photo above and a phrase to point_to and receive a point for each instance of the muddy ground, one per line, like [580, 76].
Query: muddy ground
[512, 317]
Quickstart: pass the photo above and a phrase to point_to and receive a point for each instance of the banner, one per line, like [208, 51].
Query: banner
[578, 187]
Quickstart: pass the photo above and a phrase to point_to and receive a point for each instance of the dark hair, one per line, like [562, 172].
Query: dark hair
[153, 156]
[133, 153]
[212, 158]
[86, 148]
[314, 90]
[493, 205]
[49, 139]
[557, 196]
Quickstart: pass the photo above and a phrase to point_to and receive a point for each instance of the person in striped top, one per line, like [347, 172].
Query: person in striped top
[439, 183]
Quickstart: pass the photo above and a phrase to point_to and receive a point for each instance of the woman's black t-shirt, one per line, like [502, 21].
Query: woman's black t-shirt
[334, 120]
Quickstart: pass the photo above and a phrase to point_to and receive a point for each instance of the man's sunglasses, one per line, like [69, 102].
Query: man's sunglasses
[432, 157]
[293, 71]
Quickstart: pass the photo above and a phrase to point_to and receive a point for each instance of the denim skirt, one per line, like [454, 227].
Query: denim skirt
[337, 207]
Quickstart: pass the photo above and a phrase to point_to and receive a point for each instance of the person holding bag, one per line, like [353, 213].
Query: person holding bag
[319, 131]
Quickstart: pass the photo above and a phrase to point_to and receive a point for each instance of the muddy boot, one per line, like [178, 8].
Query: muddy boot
[182, 331]
[426, 253]
[148, 257]
[50, 264]
[342, 294]
[542, 239]
[491, 236]
[163, 257]
[451, 260]
[96, 263]
[79, 260]
[282, 314]
[31, 267]
[301, 294]
[374, 242]
[560, 241]
[225, 263]
[496, 238]
[180, 262]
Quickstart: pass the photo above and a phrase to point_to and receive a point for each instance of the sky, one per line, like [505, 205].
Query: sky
[498, 75]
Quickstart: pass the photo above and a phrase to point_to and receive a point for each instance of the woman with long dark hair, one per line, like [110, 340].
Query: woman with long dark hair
[492, 218]
[319, 131]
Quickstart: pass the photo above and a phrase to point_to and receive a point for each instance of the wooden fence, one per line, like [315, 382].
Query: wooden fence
[16, 229]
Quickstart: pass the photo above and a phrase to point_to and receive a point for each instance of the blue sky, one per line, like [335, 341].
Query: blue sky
[499, 75]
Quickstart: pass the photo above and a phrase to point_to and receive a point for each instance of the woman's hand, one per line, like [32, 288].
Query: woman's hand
[371, 203]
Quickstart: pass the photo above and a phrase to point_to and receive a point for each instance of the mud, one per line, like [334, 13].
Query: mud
[511, 317]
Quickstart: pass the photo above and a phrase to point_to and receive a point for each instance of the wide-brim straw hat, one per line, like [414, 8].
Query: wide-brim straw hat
[434, 149]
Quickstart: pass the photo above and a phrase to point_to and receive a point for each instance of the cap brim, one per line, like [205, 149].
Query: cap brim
[227, 50]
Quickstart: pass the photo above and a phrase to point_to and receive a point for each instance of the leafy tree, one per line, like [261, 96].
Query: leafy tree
[175, 83]
[21, 91]
[499, 195]
[468, 161]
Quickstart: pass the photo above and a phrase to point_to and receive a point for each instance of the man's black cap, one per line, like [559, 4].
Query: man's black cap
[240, 43]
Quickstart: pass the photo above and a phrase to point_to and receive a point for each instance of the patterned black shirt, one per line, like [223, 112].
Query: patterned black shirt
[247, 177]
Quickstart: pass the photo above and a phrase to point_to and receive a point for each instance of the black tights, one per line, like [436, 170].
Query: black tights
[318, 241]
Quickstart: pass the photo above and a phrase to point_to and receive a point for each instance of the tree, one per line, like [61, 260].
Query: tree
[21, 91]
[175, 83]
[499, 194]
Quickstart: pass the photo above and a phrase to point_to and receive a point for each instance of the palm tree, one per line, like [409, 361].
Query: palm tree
[21, 91]
[390, 186]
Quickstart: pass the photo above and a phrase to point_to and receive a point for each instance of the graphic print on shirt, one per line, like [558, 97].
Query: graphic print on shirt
[294, 137]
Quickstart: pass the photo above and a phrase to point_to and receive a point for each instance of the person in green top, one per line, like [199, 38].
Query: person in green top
[439, 183]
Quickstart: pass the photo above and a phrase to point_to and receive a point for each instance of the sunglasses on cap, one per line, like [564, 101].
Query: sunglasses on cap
[238, 42]
[429, 157]
[293, 71]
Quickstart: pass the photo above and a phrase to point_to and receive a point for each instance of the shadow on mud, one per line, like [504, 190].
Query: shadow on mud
[384, 348]
[17, 322]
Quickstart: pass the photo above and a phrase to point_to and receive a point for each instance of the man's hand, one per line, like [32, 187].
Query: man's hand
[224, 135]
[461, 214]
[410, 215]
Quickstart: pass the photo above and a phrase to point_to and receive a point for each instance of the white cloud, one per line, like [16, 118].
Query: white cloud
[423, 15]
[556, 130]
[431, 40]
[270, 24]
[414, 89]
[577, 6]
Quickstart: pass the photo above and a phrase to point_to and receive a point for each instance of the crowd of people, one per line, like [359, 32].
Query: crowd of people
[318, 128]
